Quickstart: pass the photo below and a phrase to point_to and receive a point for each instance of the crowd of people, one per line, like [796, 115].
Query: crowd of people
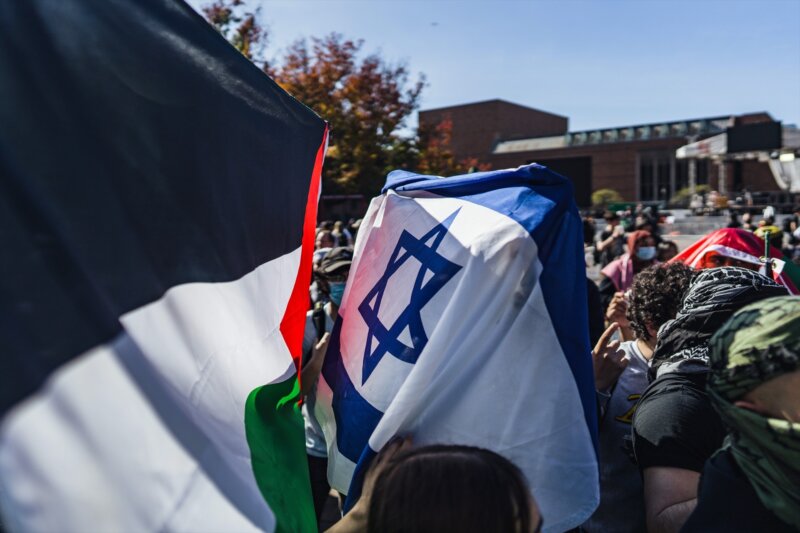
[697, 378]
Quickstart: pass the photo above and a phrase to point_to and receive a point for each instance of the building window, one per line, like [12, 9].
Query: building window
[661, 175]
[681, 174]
[702, 171]
[657, 176]
[646, 178]
[664, 178]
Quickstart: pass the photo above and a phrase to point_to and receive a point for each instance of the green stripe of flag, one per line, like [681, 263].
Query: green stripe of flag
[275, 435]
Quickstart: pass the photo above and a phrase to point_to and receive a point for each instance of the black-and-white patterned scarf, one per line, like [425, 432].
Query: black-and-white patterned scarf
[713, 297]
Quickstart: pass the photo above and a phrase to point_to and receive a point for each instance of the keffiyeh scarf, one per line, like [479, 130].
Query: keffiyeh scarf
[759, 343]
[713, 296]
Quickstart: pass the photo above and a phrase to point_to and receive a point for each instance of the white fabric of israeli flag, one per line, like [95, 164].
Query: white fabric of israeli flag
[464, 321]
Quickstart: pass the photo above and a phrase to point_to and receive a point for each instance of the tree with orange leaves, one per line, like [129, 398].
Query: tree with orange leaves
[366, 100]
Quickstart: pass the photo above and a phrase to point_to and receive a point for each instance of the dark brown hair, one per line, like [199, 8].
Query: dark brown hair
[656, 295]
[449, 488]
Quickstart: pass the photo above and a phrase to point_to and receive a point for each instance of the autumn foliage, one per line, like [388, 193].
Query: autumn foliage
[366, 100]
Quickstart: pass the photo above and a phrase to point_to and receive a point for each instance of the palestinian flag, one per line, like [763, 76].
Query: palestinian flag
[157, 205]
[741, 246]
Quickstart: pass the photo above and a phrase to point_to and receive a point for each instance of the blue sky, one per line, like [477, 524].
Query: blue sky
[601, 63]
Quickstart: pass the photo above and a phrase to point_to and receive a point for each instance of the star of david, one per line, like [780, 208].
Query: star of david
[434, 273]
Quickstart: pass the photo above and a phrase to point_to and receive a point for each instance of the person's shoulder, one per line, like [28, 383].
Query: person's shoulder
[675, 395]
[637, 359]
[630, 348]
[675, 425]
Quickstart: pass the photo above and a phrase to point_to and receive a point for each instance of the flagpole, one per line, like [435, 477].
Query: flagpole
[768, 261]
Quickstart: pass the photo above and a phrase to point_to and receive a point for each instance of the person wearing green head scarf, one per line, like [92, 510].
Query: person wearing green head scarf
[753, 482]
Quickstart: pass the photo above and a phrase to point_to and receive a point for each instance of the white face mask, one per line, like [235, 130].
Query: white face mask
[646, 253]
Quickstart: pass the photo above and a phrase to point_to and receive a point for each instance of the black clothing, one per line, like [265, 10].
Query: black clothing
[787, 229]
[606, 291]
[318, 474]
[588, 232]
[597, 312]
[674, 424]
[727, 502]
[713, 297]
[613, 250]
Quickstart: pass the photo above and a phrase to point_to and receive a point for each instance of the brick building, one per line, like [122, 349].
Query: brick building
[637, 161]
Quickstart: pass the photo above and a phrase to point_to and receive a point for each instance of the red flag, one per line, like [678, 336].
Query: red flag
[738, 245]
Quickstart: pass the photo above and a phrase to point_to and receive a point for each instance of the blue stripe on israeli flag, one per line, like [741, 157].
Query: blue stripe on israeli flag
[464, 321]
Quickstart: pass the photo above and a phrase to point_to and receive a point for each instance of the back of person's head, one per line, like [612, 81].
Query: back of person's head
[336, 262]
[667, 250]
[324, 239]
[450, 488]
[760, 343]
[656, 296]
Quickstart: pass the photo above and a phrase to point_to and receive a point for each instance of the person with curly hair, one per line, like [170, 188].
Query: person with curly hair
[655, 298]
[675, 428]
[620, 378]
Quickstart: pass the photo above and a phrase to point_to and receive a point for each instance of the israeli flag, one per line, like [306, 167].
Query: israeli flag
[464, 321]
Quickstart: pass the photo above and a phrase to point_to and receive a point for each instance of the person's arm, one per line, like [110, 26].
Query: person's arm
[310, 371]
[675, 430]
[355, 521]
[616, 233]
[601, 244]
[670, 496]
[608, 361]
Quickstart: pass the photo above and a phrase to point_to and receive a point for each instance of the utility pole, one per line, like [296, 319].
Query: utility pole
[722, 171]
[692, 168]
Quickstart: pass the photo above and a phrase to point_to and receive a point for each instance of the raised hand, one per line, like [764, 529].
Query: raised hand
[608, 360]
[617, 310]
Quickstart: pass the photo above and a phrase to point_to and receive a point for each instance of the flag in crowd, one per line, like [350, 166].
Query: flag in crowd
[158, 203]
[465, 321]
[158, 211]
[744, 247]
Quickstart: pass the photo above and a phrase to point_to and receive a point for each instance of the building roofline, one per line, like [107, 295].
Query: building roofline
[658, 123]
[699, 128]
[643, 125]
[492, 101]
